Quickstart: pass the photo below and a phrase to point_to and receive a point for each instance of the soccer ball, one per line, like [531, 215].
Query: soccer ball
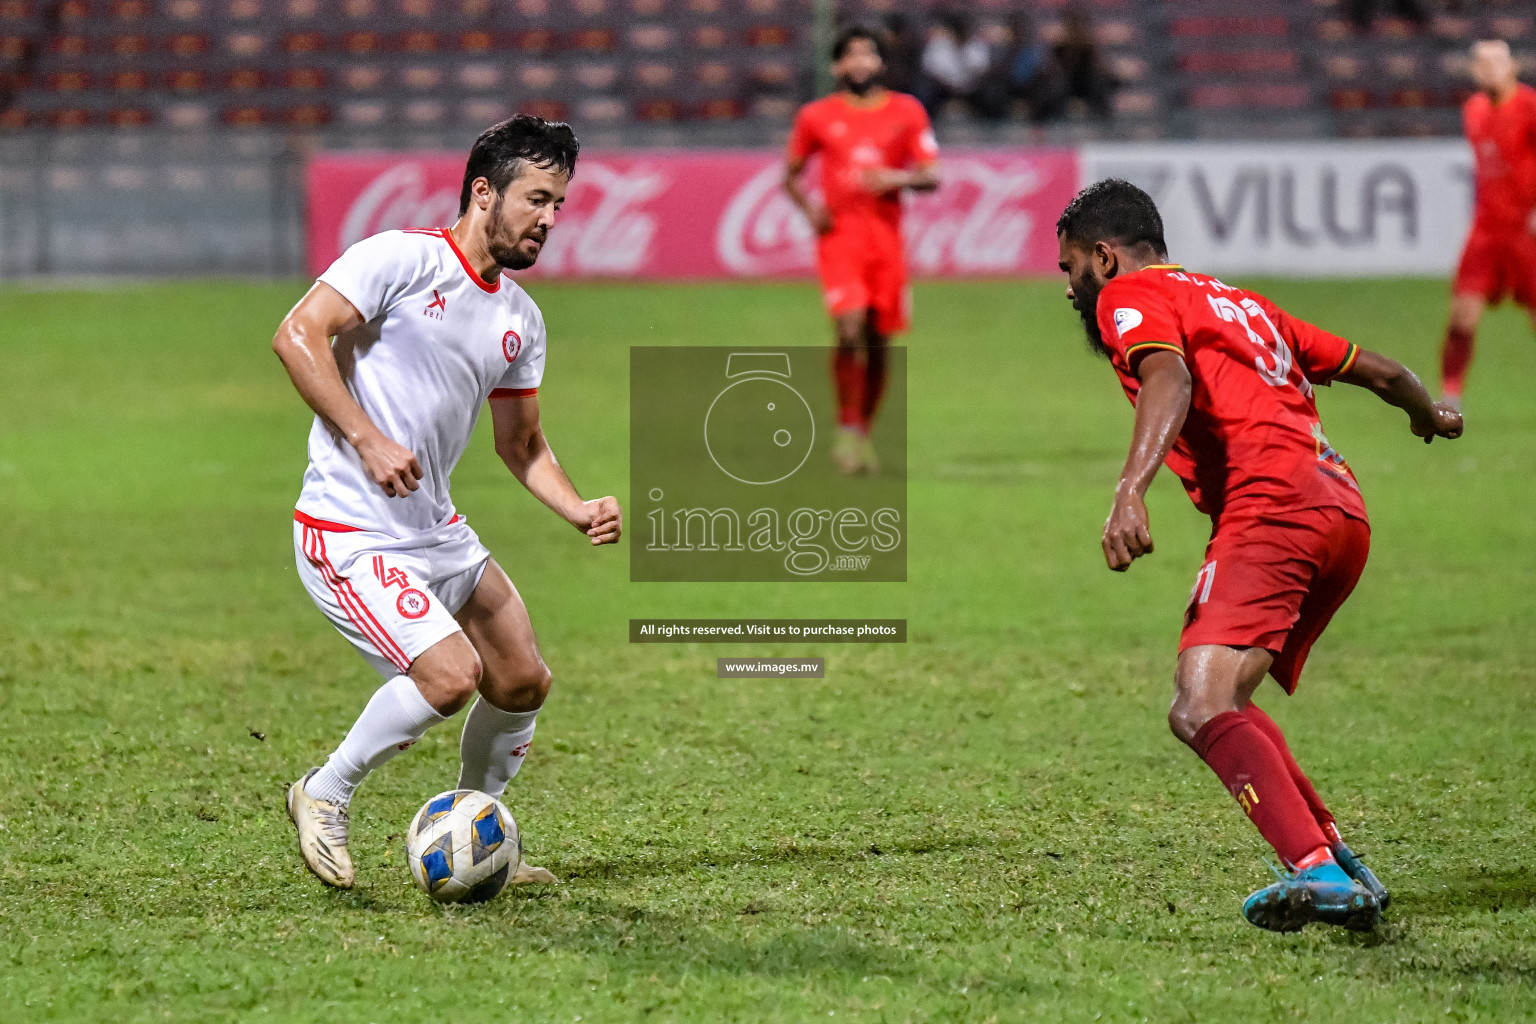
[462, 847]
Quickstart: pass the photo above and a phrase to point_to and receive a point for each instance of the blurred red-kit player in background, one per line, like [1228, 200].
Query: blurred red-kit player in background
[1499, 258]
[873, 144]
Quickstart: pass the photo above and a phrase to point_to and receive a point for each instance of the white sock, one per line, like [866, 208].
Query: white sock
[396, 716]
[493, 746]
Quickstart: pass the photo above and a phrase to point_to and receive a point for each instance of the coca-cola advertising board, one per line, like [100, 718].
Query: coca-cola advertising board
[707, 214]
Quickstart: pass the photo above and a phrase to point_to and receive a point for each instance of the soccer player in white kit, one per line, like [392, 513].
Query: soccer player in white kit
[426, 332]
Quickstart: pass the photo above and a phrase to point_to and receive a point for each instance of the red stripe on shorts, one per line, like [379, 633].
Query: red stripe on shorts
[351, 603]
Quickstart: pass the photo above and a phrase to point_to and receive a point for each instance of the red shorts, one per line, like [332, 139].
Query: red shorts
[863, 266]
[1275, 583]
[1498, 263]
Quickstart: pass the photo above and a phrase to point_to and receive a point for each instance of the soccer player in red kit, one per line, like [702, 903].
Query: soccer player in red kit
[874, 143]
[1500, 255]
[1222, 381]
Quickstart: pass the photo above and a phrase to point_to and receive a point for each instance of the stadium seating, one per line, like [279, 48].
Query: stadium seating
[1185, 67]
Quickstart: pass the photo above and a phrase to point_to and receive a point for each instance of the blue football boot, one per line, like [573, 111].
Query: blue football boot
[1355, 868]
[1322, 893]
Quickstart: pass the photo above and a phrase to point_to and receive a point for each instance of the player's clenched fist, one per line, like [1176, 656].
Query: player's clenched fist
[606, 520]
[392, 466]
[1441, 420]
[1127, 535]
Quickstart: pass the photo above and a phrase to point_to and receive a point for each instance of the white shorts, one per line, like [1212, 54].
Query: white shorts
[392, 598]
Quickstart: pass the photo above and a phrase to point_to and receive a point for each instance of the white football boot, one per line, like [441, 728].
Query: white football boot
[869, 461]
[848, 451]
[527, 874]
[322, 835]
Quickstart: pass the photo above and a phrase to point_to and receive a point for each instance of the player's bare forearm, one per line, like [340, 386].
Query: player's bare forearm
[1397, 385]
[526, 452]
[1162, 403]
[923, 179]
[303, 343]
[814, 211]
[881, 180]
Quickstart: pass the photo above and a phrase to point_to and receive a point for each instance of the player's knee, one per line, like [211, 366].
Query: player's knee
[539, 684]
[522, 690]
[451, 682]
[1465, 316]
[533, 686]
[1187, 717]
[850, 330]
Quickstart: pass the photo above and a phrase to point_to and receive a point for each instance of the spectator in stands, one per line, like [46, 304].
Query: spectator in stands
[1079, 72]
[1028, 68]
[955, 65]
[904, 53]
[1362, 13]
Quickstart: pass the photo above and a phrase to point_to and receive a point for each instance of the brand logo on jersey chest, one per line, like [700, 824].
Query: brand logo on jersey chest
[511, 345]
[437, 307]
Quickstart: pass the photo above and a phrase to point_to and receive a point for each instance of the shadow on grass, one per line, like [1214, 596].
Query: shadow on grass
[1480, 892]
[645, 941]
[653, 864]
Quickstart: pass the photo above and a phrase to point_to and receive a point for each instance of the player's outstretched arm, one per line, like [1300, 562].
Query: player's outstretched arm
[1162, 402]
[522, 446]
[303, 343]
[1397, 385]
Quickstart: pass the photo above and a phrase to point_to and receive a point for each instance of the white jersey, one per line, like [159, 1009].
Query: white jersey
[436, 343]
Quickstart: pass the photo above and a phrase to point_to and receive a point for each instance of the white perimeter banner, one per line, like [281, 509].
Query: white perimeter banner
[1324, 209]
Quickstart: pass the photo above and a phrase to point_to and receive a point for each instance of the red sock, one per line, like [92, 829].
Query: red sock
[875, 373]
[1320, 812]
[1455, 357]
[848, 376]
[1254, 772]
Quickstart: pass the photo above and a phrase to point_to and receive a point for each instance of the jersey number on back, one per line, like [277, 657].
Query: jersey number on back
[1274, 360]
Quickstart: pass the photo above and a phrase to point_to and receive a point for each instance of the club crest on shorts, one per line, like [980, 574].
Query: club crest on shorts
[412, 603]
[1127, 319]
[511, 345]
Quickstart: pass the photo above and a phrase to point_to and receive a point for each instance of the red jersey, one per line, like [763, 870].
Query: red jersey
[1503, 138]
[1252, 442]
[850, 139]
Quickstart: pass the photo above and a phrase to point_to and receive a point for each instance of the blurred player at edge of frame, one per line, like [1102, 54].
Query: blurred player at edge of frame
[1499, 257]
[427, 331]
[873, 144]
[1222, 382]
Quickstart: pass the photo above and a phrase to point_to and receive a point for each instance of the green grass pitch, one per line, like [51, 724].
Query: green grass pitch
[989, 823]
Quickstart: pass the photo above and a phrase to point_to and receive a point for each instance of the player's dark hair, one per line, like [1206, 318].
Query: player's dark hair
[849, 33]
[503, 150]
[1113, 210]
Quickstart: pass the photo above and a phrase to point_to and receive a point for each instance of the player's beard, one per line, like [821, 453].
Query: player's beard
[510, 255]
[859, 88]
[1085, 300]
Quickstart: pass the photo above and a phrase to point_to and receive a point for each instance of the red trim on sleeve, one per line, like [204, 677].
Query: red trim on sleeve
[448, 237]
[324, 524]
[514, 392]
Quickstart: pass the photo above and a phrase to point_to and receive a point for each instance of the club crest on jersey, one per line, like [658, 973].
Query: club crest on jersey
[1127, 319]
[437, 307]
[511, 345]
[412, 603]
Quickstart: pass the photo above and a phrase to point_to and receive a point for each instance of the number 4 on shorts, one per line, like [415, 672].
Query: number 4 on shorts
[389, 577]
